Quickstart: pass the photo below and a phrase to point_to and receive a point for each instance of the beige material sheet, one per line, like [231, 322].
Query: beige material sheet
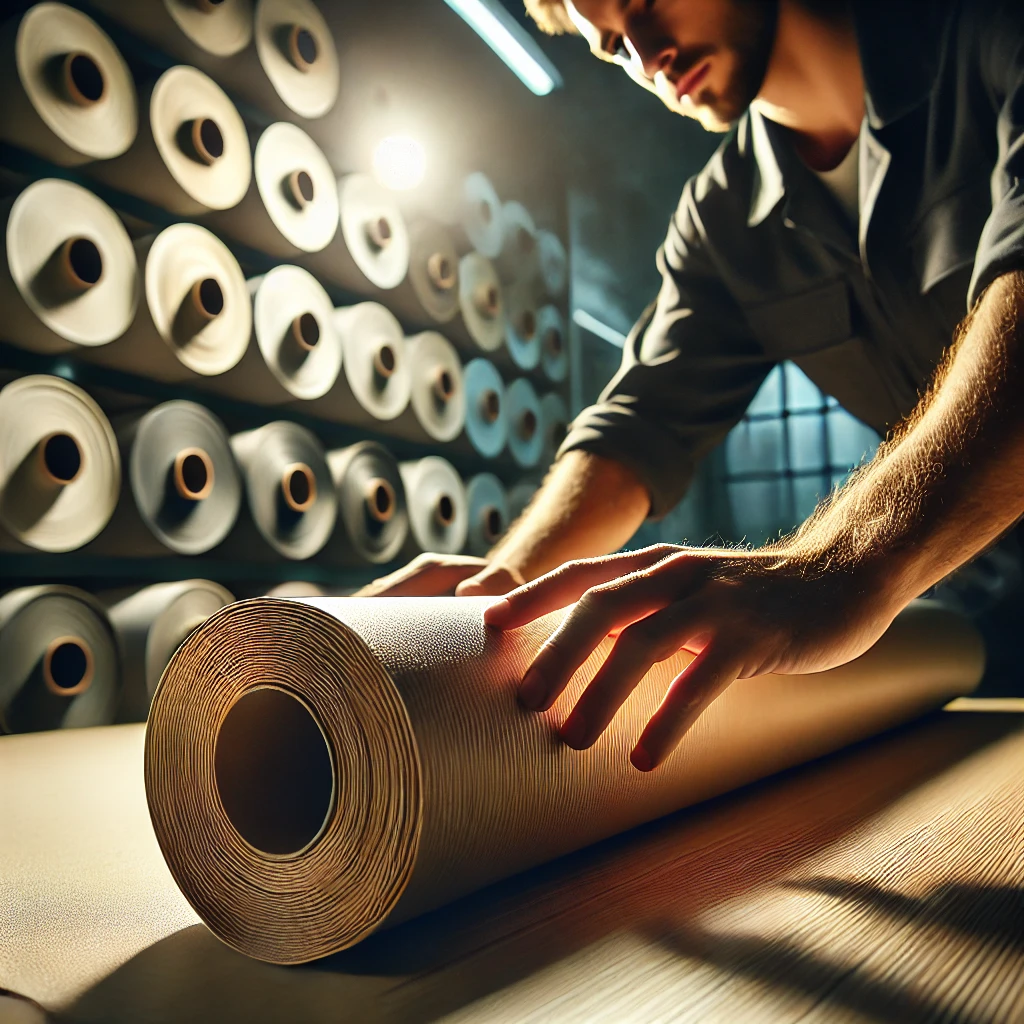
[346, 764]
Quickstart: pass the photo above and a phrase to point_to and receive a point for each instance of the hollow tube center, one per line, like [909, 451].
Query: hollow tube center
[380, 499]
[274, 772]
[441, 271]
[527, 424]
[525, 241]
[208, 298]
[490, 405]
[193, 474]
[306, 331]
[302, 48]
[62, 458]
[299, 188]
[68, 666]
[207, 140]
[528, 324]
[83, 79]
[81, 263]
[385, 361]
[486, 212]
[493, 524]
[444, 510]
[298, 487]
[488, 300]
[553, 341]
[444, 385]
[380, 232]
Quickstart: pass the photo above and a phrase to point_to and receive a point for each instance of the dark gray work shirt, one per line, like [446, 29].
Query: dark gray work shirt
[761, 264]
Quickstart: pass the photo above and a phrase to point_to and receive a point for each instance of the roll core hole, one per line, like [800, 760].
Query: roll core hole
[67, 666]
[274, 773]
[380, 232]
[490, 406]
[488, 300]
[527, 424]
[525, 241]
[553, 341]
[528, 324]
[493, 524]
[444, 385]
[486, 211]
[83, 79]
[207, 140]
[306, 331]
[193, 474]
[81, 263]
[62, 458]
[302, 48]
[444, 511]
[300, 189]
[441, 271]
[208, 298]
[298, 487]
[385, 361]
[380, 500]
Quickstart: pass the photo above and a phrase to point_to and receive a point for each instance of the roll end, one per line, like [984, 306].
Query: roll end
[68, 666]
[193, 474]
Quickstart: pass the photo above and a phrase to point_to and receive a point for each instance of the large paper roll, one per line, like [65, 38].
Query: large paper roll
[520, 495]
[554, 423]
[480, 326]
[429, 294]
[295, 352]
[438, 513]
[194, 319]
[554, 347]
[488, 513]
[365, 760]
[554, 263]
[191, 30]
[486, 418]
[60, 471]
[522, 337]
[67, 93]
[371, 251]
[59, 658]
[181, 490]
[525, 436]
[69, 277]
[474, 213]
[373, 518]
[375, 382]
[191, 154]
[290, 501]
[291, 205]
[293, 68]
[150, 625]
[519, 259]
[437, 400]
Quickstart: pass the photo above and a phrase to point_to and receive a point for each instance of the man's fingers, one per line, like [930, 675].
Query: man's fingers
[426, 578]
[567, 584]
[639, 647]
[715, 668]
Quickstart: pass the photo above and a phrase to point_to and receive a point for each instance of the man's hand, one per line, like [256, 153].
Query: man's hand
[745, 613]
[431, 575]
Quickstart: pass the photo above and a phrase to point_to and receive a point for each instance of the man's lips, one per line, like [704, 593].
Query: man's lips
[686, 85]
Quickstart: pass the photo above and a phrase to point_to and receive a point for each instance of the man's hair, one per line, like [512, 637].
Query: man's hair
[551, 16]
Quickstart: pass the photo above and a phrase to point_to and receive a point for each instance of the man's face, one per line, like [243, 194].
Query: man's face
[704, 58]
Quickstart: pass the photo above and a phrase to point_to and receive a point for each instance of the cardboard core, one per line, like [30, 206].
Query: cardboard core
[525, 241]
[67, 666]
[441, 272]
[528, 324]
[302, 48]
[299, 189]
[488, 299]
[83, 79]
[379, 232]
[444, 510]
[298, 487]
[62, 458]
[527, 424]
[493, 524]
[274, 771]
[486, 211]
[385, 361]
[206, 140]
[490, 405]
[553, 341]
[444, 385]
[192, 473]
[380, 499]
[81, 263]
[208, 298]
[306, 331]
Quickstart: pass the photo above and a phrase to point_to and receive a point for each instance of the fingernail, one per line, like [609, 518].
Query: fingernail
[574, 731]
[641, 760]
[532, 691]
[494, 613]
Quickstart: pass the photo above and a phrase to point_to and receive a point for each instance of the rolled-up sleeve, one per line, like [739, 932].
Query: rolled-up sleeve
[689, 369]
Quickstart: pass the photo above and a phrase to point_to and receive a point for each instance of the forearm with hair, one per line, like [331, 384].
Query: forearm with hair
[588, 505]
[950, 479]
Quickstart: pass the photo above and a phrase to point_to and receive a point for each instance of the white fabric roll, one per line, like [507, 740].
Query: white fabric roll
[554, 422]
[437, 400]
[474, 213]
[429, 294]
[195, 317]
[67, 93]
[191, 154]
[554, 344]
[486, 417]
[525, 436]
[522, 337]
[438, 512]
[375, 382]
[60, 471]
[291, 206]
[519, 259]
[191, 30]
[69, 277]
[295, 353]
[480, 327]
[554, 263]
[488, 513]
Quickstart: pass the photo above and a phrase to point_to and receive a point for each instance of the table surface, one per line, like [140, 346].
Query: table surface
[883, 883]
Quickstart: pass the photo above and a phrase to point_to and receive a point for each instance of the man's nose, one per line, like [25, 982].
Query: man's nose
[656, 51]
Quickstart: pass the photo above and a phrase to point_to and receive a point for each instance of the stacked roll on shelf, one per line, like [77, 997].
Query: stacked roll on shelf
[194, 318]
[553, 264]
[150, 624]
[522, 348]
[480, 325]
[181, 490]
[520, 495]
[291, 204]
[68, 94]
[438, 512]
[519, 259]
[373, 516]
[191, 154]
[437, 398]
[290, 506]
[554, 347]
[554, 423]
[69, 278]
[474, 213]
[296, 588]
[486, 429]
[525, 436]
[488, 513]
[60, 471]
[429, 295]
[60, 660]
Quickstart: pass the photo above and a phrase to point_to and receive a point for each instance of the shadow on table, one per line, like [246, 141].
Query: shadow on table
[438, 963]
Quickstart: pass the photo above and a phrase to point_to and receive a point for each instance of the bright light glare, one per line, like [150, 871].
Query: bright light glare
[399, 163]
[499, 36]
[601, 329]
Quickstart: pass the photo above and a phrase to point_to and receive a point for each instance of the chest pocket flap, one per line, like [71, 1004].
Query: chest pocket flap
[805, 322]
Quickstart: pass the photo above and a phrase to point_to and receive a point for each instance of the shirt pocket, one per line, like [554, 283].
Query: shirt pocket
[805, 322]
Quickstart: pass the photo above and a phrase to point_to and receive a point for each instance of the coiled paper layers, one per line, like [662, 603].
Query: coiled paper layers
[319, 768]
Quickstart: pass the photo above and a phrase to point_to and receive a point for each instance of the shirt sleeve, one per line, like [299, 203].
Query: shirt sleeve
[1001, 247]
[690, 368]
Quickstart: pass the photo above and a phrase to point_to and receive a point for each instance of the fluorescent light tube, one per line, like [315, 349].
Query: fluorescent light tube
[507, 38]
[595, 326]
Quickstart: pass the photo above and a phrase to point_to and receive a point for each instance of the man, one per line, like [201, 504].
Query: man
[870, 195]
